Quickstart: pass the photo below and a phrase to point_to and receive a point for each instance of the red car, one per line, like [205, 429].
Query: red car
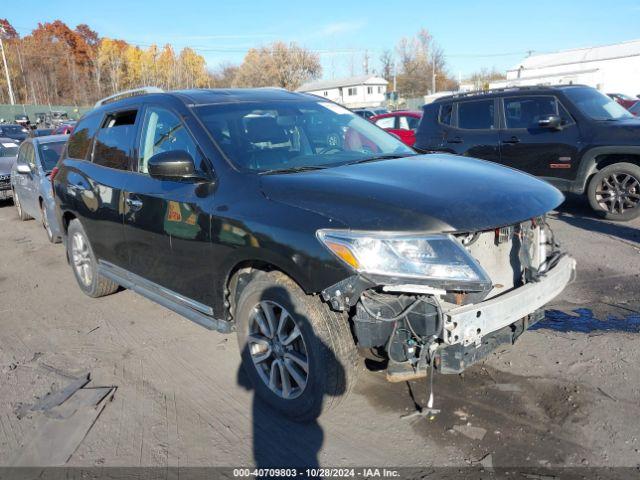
[625, 100]
[635, 109]
[402, 123]
[64, 129]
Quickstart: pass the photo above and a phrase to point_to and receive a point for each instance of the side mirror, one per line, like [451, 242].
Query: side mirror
[553, 122]
[172, 165]
[23, 168]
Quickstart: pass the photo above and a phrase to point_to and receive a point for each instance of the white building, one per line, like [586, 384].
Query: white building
[352, 92]
[609, 68]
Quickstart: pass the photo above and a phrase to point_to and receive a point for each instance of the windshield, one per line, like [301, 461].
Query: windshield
[8, 149]
[596, 105]
[287, 135]
[49, 154]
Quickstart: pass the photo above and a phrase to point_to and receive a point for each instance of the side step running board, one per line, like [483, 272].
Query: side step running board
[188, 308]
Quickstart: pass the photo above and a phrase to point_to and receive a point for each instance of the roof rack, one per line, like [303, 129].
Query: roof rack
[496, 90]
[128, 93]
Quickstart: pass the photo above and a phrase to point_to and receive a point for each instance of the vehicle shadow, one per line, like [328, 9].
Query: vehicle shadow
[279, 442]
[6, 202]
[576, 212]
[583, 320]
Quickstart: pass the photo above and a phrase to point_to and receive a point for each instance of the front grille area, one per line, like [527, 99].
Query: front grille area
[505, 252]
[5, 182]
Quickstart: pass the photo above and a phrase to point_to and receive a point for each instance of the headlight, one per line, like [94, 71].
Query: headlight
[439, 260]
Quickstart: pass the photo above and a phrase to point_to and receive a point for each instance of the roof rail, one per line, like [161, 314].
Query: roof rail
[128, 93]
[496, 90]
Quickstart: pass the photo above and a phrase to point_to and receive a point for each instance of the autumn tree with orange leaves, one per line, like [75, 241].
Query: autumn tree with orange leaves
[55, 64]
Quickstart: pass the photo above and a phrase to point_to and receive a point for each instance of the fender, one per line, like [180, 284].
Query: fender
[588, 164]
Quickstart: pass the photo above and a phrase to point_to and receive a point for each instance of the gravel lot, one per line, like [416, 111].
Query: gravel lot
[566, 394]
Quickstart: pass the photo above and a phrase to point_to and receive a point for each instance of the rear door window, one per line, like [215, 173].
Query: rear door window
[408, 123]
[476, 115]
[444, 116]
[114, 140]
[79, 144]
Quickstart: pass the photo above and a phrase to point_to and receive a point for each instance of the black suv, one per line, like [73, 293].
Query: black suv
[227, 207]
[573, 136]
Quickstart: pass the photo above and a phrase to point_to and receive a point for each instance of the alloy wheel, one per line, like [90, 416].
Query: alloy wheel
[278, 350]
[618, 192]
[81, 258]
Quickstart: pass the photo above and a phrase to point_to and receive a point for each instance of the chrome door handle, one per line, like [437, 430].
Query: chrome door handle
[133, 204]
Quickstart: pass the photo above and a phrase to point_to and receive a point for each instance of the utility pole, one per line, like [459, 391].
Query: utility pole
[6, 68]
[433, 75]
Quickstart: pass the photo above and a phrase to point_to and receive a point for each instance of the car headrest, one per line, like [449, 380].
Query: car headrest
[265, 129]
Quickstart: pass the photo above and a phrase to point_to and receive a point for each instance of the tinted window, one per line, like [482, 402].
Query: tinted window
[114, 140]
[163, 131]
[49, 154]
[526, 112]
[476, 115]
[445, 114]
[386, 122]
[80, 142]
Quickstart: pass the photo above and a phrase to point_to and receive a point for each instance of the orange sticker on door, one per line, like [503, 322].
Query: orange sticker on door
[174, 214]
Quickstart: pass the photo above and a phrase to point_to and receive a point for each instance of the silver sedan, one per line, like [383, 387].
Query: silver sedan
[30, 182]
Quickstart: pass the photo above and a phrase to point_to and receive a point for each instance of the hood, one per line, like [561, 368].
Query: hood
[429, 193]
[5, 165]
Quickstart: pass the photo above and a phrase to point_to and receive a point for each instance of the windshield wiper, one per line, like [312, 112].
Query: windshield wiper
[301, 168]
[380, 157]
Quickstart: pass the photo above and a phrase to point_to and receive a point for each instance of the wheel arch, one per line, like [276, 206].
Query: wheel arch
[597, 158]
[241, 270]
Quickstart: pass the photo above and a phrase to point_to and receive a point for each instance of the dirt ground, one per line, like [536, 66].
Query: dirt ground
[565, 395]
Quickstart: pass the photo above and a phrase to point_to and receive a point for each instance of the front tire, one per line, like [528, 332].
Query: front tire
[21, 213]
[614, 192]
[299, 355]
[84, 263]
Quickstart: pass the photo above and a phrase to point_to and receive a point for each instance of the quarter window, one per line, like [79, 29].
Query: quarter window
[476, 115]
[445, 114]
[385, 122]
[163, 131]
[114, 140]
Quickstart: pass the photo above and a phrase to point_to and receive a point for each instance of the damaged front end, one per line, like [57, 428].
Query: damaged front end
[445, 301]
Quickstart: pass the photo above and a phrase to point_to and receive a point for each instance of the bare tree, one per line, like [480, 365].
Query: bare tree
[279, 65]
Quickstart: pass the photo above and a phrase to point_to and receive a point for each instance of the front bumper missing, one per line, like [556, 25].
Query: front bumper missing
[468, 324]
[454, 359]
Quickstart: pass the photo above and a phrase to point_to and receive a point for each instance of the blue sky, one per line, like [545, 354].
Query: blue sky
[472, 34]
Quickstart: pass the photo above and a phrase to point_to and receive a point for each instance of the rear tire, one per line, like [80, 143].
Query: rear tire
[84, 263]
[22, 215]
[302, 377]
[614, 192]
